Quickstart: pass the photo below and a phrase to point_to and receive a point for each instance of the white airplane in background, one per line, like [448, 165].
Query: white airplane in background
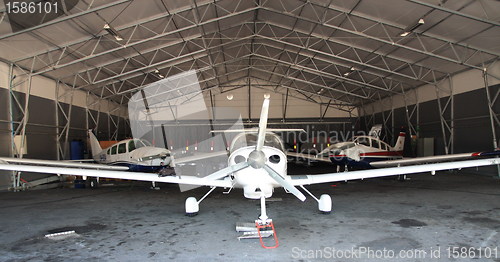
[362, 152]
[136, 154]
[257, 164]
[367, 152]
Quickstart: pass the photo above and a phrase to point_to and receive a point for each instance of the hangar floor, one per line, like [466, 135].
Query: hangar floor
[433, 214]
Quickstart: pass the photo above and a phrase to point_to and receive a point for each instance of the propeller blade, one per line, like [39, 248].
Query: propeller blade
[226, 171]
[262, 125]
[284, 183]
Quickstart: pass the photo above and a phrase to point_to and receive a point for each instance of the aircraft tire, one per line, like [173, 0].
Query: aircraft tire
[91, 183]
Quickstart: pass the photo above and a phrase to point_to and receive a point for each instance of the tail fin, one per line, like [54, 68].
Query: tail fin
[94, 144]
[400, 143]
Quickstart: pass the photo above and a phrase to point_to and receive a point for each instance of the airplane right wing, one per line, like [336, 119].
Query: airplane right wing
[59, 163]
[299, 180]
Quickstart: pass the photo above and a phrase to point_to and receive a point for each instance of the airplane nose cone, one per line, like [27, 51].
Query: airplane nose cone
[257, 159]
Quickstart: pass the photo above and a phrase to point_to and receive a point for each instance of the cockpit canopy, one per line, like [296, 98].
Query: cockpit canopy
[250, 139]
[127, 146]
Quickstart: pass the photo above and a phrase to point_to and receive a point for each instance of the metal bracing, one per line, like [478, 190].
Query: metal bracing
[387, 119]
[494, 121]
[492, 95]
[444, 91]
[419, 72]
[65, 18]
[235, 60]
[411, 110]
[95, 53]
[384, 25]
[11, 118]
[447, 10]
[64, 95]
[19, 115]
[112, 123]
[118, 75]
[380, 70]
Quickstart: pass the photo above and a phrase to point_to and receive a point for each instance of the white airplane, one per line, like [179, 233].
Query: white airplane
[257, 164]
[362, 151]
[136, 154]
[370, 152]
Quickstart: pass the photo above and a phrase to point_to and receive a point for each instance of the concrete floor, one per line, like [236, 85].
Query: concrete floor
[131, 222]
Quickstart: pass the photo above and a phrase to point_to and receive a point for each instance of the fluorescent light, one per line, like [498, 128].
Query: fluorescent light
[112, 32]
[412, 28]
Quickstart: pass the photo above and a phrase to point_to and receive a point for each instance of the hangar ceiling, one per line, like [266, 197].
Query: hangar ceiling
[344, 52]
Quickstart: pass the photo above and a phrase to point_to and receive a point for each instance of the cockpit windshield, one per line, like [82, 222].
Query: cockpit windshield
[250, 139]
[136, 143]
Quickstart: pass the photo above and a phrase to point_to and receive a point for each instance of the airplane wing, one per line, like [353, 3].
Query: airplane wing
[199, 156]
[433, 159]
[140, 176]
[299, 180]
[62, 163]
[307, 156]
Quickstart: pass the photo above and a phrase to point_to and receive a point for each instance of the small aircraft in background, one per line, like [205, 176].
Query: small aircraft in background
[136, 154]
[363, 151]
[257, 164]
[366, 152]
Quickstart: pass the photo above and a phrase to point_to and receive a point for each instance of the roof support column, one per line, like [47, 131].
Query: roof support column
[63, 94]
[18, 128]
[12, 150]
[447, 125]
[495, 123]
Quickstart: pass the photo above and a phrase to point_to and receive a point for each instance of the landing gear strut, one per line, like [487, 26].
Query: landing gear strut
[264, 223]
[324, 202]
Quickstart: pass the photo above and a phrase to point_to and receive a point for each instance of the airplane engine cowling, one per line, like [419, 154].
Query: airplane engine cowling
[255, 192]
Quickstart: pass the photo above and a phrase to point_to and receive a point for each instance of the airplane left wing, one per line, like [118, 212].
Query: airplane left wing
[433, 159]
[308, 156]
[199, 156]
[300, 180]
[139, 176]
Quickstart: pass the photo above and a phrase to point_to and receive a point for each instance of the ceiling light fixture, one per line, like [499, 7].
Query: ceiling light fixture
[112, 32]
[412, 28]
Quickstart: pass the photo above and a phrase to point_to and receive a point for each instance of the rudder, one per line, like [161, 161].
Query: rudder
[94, 145]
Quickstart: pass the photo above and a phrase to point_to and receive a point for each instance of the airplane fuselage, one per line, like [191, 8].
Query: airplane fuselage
[256, 181]
[136, 154]
[363, 151]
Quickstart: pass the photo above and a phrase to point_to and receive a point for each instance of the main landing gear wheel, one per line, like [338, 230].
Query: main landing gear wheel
[92, 182]
[325, 204]
[192, 207]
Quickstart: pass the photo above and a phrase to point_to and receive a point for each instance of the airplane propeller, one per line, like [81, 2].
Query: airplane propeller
[257, 159]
